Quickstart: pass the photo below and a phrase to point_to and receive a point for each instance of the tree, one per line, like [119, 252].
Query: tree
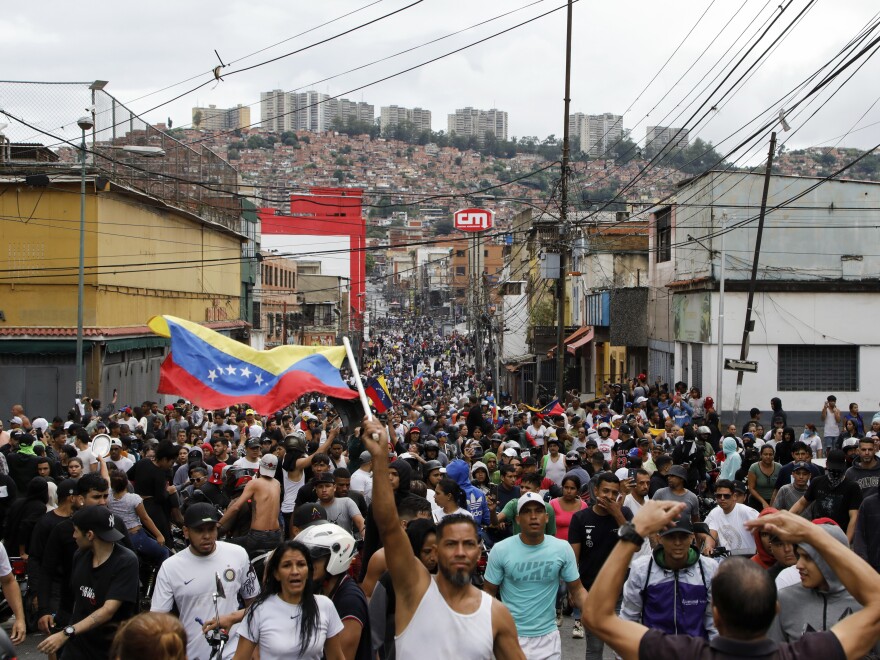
[197, 118]
[233, 154]
[444, 227]
[339, 175]
[458, 161]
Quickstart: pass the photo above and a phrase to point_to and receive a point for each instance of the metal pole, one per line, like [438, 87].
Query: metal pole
[81, 278]
[720, 367]
[563, 220]
[749, 324]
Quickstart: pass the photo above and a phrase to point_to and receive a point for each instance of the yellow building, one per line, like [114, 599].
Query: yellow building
[143, 257]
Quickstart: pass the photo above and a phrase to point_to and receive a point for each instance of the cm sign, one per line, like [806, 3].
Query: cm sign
[474, 219]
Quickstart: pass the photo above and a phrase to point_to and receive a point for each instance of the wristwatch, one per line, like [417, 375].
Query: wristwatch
[70, 631]
[627, 532]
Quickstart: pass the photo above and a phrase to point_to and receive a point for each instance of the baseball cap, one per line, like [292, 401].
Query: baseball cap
[850, 442]
[366, 457]
[590, 443]
[66, 488]
[525, 499]
[739, 487]
[836, 460]
[252, 442]
[572, 456]
[626, 428]
[15, 420]
[249, 411]
[678, 471]
[682, 525]
[510, 451]
[268, 465]
[116, 442]
[216, 477]
[308, 514]
[324, 478]
[529, 460]
[99, 520]
[800, 465]
[201, 514]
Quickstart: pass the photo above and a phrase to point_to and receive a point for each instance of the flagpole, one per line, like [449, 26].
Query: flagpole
[357, 379]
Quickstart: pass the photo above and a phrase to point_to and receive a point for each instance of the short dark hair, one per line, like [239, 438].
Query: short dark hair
[866, 441]
[320, 457]
[745, 596]
[604, 476]
[800, 445]
[342, 473]
[410, 507]
[167, 449]
[534, 479]
[459, 519]
[725, 483]
[662, 461]
[506, 468]
[643, 472]
[91, 481]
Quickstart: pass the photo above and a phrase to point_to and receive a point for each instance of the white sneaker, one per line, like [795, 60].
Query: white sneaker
[578, 631]
[559, 618]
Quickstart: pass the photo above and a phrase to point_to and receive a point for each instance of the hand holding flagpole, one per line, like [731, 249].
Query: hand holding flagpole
[357, 379]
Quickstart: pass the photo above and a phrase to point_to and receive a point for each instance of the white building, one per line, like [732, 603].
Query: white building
[816, 298]
[474, 122]
[392, 115]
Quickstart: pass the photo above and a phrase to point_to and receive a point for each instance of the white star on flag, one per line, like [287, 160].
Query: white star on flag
[246, 372]
[212, 375]
[259, 379]
[230, 370]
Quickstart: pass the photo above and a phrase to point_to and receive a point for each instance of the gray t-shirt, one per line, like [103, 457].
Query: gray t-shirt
[867, 480]
[342, 512]
[692, 508]
[786, 498]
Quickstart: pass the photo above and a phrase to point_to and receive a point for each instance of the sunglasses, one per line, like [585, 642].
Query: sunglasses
[723, 496]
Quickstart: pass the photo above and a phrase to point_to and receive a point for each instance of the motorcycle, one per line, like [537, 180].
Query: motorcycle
[19, 570]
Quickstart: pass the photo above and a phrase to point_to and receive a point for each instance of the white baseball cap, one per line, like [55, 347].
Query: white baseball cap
[268, 465]
[525, 499]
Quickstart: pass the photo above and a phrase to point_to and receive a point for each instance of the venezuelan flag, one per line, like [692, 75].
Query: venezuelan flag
[215, 371]
[377, 390]
[552, 408]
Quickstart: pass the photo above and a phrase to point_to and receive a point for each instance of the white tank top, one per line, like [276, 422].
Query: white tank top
[447, 634]
[291, 488]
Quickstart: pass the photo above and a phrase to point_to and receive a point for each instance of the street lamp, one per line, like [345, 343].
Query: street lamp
[85, 124]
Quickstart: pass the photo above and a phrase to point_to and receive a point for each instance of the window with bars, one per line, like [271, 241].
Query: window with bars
[803, 368]
[663, 226]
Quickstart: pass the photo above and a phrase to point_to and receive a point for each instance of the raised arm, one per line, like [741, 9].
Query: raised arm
[408, 574]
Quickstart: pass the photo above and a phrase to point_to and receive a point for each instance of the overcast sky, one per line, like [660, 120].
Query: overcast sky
[617, 48]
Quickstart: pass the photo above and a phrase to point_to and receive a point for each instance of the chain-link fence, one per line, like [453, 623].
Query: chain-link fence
[189, 177]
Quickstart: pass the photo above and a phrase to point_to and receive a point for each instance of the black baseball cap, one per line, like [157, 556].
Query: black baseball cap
[252, 442]
[682, 526]
[201, 514]
[324, 478]
[66, 488]
[308, 514]
[836, 460]
[97, 519]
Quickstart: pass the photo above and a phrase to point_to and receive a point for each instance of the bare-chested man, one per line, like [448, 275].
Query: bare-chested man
[264, 494]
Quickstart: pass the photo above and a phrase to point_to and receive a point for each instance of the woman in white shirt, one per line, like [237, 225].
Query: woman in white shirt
[287, 620]
[448, 499]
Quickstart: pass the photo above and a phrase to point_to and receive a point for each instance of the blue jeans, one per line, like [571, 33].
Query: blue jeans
[828, 443]
[148, 548]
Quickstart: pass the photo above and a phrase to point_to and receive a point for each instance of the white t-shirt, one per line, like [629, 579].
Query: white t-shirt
[605, 446]
[88, 459]
[275, 629]
[632, 504]
[5, 565]
[362, 482]
[186, 580]
[124, 463]
[814, 442]
[440, 515]
[730, 528]
[243, 462]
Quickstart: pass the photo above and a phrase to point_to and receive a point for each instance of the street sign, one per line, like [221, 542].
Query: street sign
[474, 219]
[741, 365]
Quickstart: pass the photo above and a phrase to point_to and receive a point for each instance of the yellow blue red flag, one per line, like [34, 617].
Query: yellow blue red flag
[216, 371]
[377, 390]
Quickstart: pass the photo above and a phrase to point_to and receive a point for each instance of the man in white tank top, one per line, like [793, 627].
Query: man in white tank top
[435, 616]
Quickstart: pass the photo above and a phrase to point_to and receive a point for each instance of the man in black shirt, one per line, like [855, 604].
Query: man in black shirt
[743, 599]
[105, 585]
[593, 535]
[833, 495]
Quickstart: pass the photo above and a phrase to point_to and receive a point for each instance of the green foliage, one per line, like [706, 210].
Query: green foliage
[233, 154]
[544, 312]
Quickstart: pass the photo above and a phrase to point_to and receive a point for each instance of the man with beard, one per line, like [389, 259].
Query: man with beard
[437, 613]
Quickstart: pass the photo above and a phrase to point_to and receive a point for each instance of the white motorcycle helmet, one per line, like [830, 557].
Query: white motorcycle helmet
[329, 541]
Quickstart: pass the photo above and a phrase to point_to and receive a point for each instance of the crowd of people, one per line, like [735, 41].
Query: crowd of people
[454, 523]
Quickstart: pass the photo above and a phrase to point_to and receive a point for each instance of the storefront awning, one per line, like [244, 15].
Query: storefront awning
[575, 340]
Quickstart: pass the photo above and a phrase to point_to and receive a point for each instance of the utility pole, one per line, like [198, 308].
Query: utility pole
[563, 223]
[718, 387]
[749, 324]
